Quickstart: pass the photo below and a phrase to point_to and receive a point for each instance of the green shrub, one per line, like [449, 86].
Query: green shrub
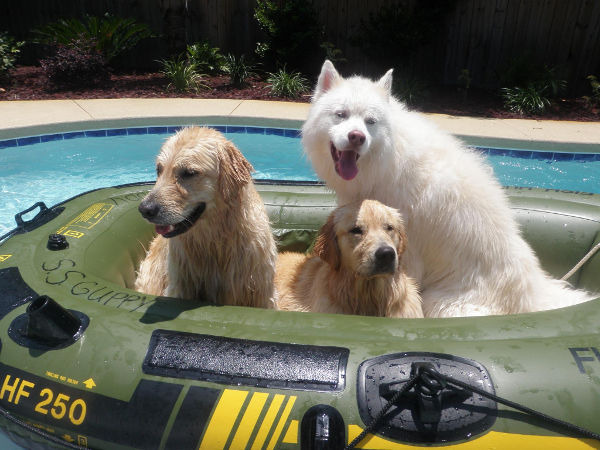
[292, 34]
[408, 88]
[182, 75]
[239, 69]
[594, 99]
[75, 65]
[9, 51]
[113, 35]
[531, 99]
[287, 84]
[207, 59]
[528, 86]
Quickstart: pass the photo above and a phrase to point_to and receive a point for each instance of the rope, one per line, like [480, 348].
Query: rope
[575, 429]
[585, 259]
[375, 422]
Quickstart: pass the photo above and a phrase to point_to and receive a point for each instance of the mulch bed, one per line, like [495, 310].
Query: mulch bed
[29, 83]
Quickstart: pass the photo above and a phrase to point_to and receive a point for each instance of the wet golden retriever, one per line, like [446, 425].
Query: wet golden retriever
[214, 239]
[356, 267]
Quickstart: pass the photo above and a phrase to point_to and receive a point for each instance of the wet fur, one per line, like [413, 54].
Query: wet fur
[340, 276]
[465, 249]
[228, 256]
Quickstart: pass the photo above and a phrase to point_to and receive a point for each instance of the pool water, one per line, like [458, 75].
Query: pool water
[53, 168]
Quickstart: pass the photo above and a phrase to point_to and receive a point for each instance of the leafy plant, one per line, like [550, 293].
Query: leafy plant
[239, 69]
[291, 34]
[530, 99]
[594, 99]
[112, 35]
[207, 59]
[529, 86]
[182, 75]
[333, 54]
[9, 50]
[76, 64]
[408, 88]
[287, 84]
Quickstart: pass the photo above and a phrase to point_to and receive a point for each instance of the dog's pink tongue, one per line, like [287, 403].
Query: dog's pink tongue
[163, 229]
[346, 165]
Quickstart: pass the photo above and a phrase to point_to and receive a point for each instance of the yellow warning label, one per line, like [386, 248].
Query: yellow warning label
[4, 257]
[86, 220]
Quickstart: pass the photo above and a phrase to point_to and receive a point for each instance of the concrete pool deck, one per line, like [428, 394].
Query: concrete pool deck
[26, 118]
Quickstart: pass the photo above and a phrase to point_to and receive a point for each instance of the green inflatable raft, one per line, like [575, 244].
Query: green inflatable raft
[87, 362]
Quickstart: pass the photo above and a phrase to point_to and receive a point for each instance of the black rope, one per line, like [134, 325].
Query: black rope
[375, 422]
[575, 429]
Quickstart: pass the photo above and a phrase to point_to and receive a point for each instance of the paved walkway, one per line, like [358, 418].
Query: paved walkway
[26, 118]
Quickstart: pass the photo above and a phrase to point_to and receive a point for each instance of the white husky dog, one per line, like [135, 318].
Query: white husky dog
[464, 245]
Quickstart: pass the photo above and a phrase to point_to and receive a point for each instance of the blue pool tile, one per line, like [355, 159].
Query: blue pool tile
[135, 131]
[545, 156]
[255, 130]
[173, 129]
[73, 135]
[95, 133]
[220, 128]
[499, 151]
[158, 130]
[117, 132]
[291, 133]
[8, 143]
[563, 156]
[235, 129]
[29, 140]
[523, 154]
[275, 131]
[584, 157]
[52, 137]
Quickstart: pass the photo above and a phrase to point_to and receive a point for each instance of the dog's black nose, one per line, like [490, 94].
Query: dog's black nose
[385, 256]
[149, 209]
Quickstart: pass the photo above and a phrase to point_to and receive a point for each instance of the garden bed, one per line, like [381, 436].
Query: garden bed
[29, 83]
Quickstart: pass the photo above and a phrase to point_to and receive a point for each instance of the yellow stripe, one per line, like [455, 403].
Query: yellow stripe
[291, 435]
[267, 422]
[282, 420]
[249, 419]
[223, 419]
[493, 440]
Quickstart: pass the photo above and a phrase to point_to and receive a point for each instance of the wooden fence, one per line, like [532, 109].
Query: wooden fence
[479, 35]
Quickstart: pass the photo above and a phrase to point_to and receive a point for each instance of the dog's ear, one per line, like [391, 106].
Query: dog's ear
[327, 79]
[326, 246]
[234, 171]
[401, 242]
[385, 82]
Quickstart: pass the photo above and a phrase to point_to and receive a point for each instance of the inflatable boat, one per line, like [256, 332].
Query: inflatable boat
[87, 362]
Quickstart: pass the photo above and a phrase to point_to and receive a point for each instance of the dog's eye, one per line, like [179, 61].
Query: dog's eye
[187, 173]
[389, 228]
[341, 114]
[159, 170]
[356, 230]
[370, 120]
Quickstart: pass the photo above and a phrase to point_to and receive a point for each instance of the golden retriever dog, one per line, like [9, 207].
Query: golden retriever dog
[214, 238]
[356, 268]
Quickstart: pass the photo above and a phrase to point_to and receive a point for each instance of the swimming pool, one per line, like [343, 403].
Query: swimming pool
[54, 167]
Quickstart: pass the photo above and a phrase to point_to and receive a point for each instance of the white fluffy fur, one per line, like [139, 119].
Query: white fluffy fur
[464, 245]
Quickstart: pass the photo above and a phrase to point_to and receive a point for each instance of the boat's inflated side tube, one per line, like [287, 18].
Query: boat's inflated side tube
[87, 361]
